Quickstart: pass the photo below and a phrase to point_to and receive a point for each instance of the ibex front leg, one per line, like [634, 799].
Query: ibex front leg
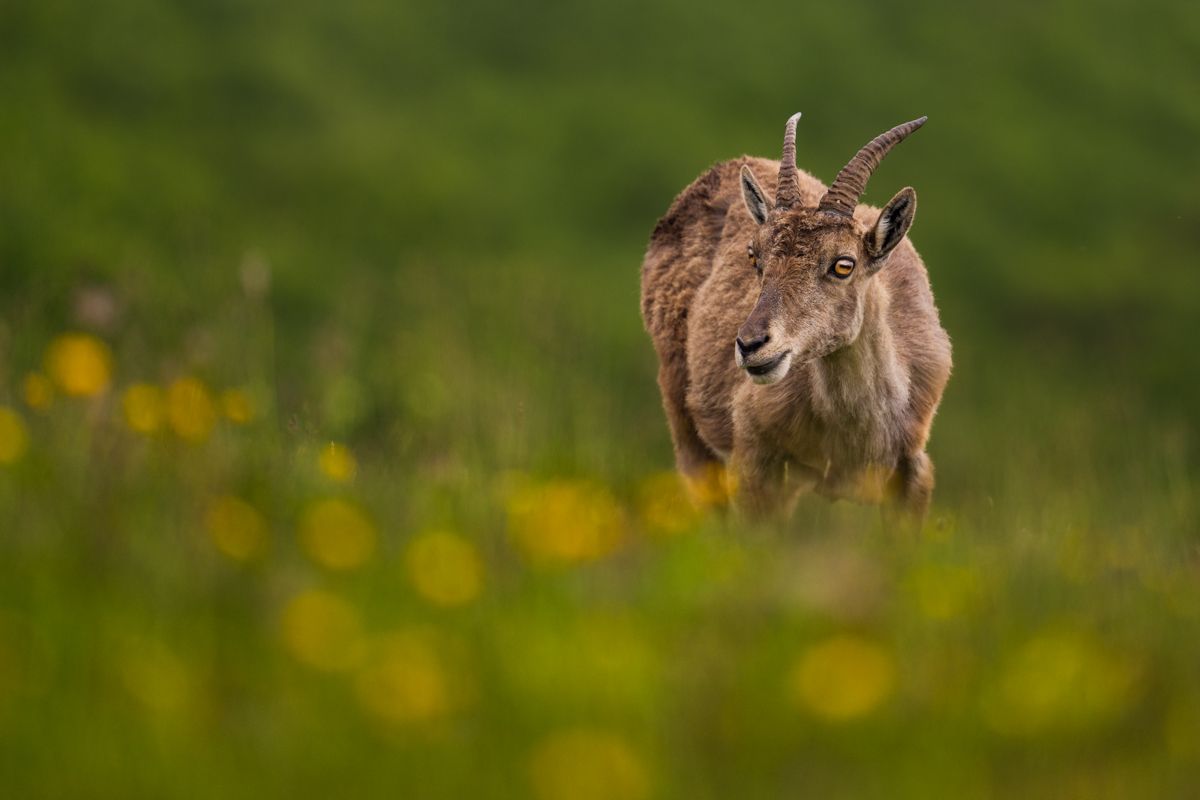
[767, 486]
[909, 492]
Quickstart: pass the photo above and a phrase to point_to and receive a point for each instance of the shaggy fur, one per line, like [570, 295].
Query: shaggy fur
[868, 358]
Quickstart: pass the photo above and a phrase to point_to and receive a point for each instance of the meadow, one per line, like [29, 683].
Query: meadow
[331, 457]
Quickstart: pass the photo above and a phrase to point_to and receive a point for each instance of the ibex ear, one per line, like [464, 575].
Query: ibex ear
[893, 223]
[755, 197]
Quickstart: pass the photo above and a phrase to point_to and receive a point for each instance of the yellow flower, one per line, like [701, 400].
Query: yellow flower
[14, 439]
[665, 504]
[80, 364]
[237, 406]
[1059, 682]
[337, 463]
[236, 528]
[712, 487]
[323, 631]
[156, 677]
[38, 390]
[143, 407]
[445, 569]
[336, 534]
[586, 764]
[190, 409]
[560, 522]
[843, 678]
[406, 680]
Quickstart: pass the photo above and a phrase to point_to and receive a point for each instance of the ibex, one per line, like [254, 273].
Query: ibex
[798, 341]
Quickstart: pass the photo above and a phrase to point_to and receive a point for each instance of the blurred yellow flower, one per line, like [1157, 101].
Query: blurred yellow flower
[237, 406]
[37, 390]
[665, 505]
[943, 592]
[81, 365]
[585, 764]
[156, 677]
[712, 487]
[337, 463]
[236, 528]
[144, 407]
[843, 678]
[1059, 682]
[405, 680]
[336, 534]
[190, 409]
[564, 521]
[444, 568]
[323, 631]
[14, 439]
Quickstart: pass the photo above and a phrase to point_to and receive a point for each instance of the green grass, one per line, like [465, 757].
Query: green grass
[451, 204]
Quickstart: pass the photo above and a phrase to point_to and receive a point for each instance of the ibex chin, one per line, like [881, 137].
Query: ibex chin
[798, 342]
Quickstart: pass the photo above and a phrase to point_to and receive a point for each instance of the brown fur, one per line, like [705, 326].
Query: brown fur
[850, 419]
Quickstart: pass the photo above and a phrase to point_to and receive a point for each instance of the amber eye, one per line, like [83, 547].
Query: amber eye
[842, 267]
[751, 256]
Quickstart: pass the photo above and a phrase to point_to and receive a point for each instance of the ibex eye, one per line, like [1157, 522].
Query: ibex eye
[752, 257]
[842, 267]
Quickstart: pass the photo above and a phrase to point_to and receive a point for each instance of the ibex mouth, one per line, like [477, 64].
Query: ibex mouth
[770, 371]
[763, 369]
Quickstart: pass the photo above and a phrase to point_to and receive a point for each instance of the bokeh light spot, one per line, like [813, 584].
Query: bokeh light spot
[190, 409]
[236, 528]
[237, 406]
[665, 505]
[405, 680]
[79, 364]
[37, 390]
[323, 631]
[156, 677]
[444, 568]
[711, 487]
[587, 764]
[144, 408]
[843, 678]
[14, 438]
[1059, 683]
[336, 534]
[337, 463]
[565, 521]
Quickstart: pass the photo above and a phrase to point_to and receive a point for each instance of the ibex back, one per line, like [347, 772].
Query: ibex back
[798, 341]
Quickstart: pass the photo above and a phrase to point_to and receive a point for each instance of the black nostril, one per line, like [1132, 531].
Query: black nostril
[746, 348]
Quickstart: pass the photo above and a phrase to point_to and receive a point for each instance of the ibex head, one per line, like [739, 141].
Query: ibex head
[815, 264]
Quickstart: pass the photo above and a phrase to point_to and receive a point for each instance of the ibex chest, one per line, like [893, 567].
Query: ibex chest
[846, 439]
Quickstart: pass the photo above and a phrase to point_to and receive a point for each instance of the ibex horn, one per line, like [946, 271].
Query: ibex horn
[787, 193]
[850, 183]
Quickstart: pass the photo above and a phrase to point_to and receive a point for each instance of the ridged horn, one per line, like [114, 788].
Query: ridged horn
[787, 192]
[850, 183]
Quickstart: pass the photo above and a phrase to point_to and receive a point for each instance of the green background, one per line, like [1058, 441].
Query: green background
[453, 200]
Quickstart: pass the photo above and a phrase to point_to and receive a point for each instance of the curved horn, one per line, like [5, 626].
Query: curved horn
[787, 192]
[849, 184]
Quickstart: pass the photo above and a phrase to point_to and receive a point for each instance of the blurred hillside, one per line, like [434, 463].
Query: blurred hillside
[510, 155]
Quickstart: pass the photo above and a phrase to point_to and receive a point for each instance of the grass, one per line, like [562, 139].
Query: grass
[331, 459]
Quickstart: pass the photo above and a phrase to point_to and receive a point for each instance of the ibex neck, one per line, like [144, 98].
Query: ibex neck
[863, 380]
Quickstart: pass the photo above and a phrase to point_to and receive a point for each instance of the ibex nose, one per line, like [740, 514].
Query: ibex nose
[746, 348]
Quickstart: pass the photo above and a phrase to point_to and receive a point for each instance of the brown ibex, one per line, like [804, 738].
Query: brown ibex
[798, 341]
